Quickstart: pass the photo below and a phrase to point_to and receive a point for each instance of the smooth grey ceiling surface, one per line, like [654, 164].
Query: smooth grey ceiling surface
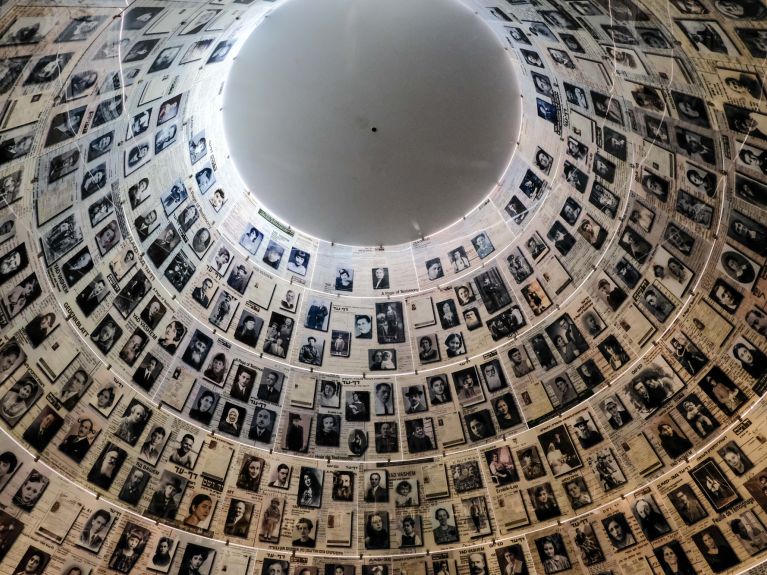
[316, 78]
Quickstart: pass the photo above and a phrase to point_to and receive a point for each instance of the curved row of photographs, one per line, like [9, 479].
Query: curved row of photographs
[179, 497]
[587, 344]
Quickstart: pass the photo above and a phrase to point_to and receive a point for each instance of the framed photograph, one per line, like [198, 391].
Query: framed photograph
[20, 397]
[311, 351]
[420, 435]
[619, 532]
[34, 560]
[697, 416]
[382, 359]
[443, 524]
[652, 387]
[238, 518]
[736, 460]
[720, 493]
[390, 322]
[687, 504]
[648, 514]
[723, 391]
[310, 487]
[318, 314]
[561, 454]
[467, 386]
[715, 549]
[272, 510]
[708, 37]
[607, 469]
[750, 530]
[552, 553]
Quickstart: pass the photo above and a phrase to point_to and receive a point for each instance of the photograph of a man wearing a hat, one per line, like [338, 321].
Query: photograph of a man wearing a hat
[165, 500]
[588, 436]
[238, 278]
[415, 401]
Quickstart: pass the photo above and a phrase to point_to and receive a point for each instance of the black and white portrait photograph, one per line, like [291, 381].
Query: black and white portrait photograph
[607, 469]
[713, 483]
[708, 37]
[467, 386]
[530, 463]
[577, 493]
[40, 432]
[107, 466]
[206, 178]
[310, 483]
[174, 197]
[420, 435]
[390, 322]
[434, 269]
[220, 51]
[553, 553]
[750, 531]
[531, 185]
[448, 314]
[297, 262]
[232, 419]
[738, 267]
[262, 425]
[96, 529]
[619, 533]
[687, 504]
[357, 405]
[563, 240]
[443, 524]
[604, 200]
[198, 144]
[311, 351]
[588, 543]
[166, 499]
[48, 68]
[559, 450]
[129, 548]
[328, 430]
[500, 463]
[33, 562]
[480, 425]
[204, 405]
[273, 254]
[724, 392]
[715, 549]
[344, 279]
[650, 517]
[382, 359]
[698, 416]
[26, 30]
[61, 238]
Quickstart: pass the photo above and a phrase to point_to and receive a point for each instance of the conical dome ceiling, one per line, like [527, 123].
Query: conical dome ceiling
[343, 288]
